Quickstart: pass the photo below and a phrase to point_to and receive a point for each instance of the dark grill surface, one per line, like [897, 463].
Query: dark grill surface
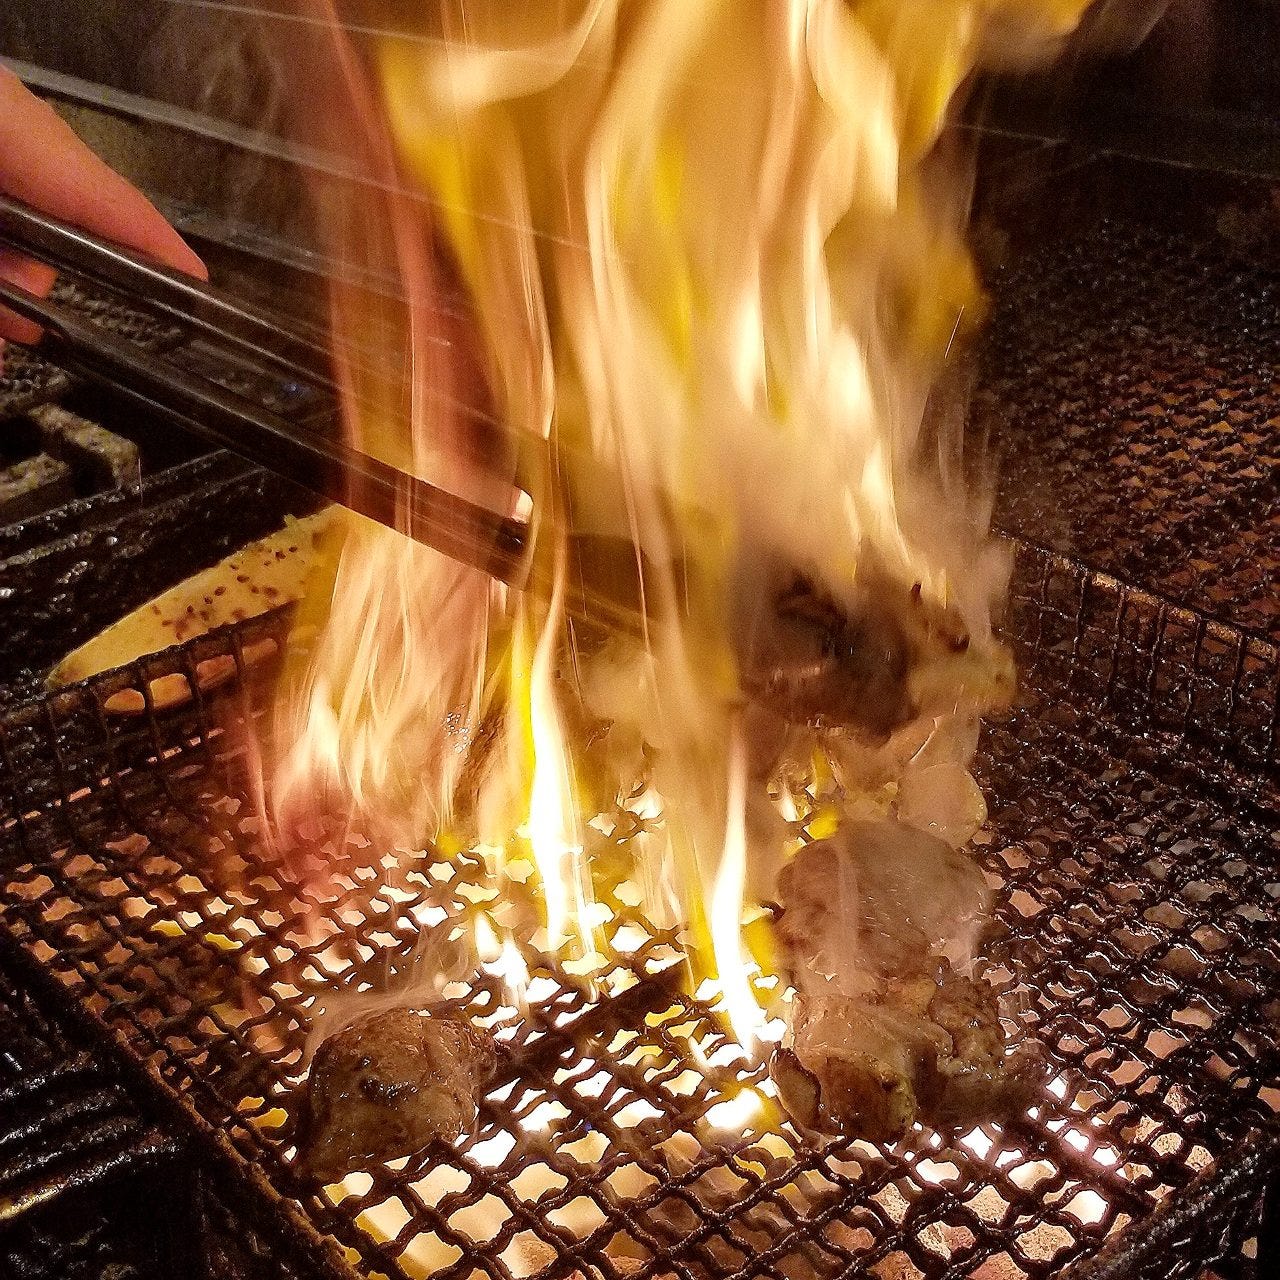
[1132, 382]
[65, 1124]
[1132, 817]
[76, 566]
[92, 1184]
[67, 575]
[29, 380]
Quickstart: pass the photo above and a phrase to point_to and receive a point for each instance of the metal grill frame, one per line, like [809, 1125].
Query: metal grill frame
[1181, 705]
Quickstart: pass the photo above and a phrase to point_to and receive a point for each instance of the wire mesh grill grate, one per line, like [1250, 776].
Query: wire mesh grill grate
[1130, 380]
[624, 1135]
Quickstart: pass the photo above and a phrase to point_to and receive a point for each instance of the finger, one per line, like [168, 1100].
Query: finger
[43, 163]
[32, 276]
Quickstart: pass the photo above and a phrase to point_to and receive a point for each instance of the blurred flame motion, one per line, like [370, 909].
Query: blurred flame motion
[712, 270]
[377, 720]
[733, 965]
[553, 823]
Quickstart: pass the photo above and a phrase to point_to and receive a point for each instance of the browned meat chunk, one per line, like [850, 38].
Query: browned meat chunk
[810, 661]
[870, 1068]
[867, 664]
[885, 1030]
[387, 1085]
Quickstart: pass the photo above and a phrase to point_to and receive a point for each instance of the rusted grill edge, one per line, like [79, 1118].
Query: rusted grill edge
[1249, 1181]
[1153, 666]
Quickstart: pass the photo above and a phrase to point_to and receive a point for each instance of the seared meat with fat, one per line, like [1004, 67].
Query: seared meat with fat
[808, 660]
[928, 1048]
[877, 923]
[388, 1084]
[868, 664]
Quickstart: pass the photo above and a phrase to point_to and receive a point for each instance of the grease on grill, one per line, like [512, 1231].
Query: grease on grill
[388, 1085]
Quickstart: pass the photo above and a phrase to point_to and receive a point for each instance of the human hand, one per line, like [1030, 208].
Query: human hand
[43, 163]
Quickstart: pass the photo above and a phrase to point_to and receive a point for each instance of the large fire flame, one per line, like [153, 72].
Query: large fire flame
[714, 259]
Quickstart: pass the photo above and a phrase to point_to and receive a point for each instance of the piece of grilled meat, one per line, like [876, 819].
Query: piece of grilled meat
[388, 1084]
[808, 659]
[869, 663]
[878, 923]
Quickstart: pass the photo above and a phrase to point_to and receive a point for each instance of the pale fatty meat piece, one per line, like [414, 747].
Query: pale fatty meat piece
[885, 1029]
[389, 1084]
[875, 897]
[928, 1048]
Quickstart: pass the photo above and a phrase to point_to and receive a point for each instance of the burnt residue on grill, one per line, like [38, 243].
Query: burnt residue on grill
[49, 456]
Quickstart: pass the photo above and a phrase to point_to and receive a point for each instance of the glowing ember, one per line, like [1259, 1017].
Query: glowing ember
[503, 960]
[737, 1114]
[713, 269]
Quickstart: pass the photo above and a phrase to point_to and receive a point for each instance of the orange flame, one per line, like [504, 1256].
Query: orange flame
[709, 264]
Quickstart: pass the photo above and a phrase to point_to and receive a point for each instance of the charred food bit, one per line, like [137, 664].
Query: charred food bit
[389, 1084]
[810, 660]
[869, 663]
[877, 925]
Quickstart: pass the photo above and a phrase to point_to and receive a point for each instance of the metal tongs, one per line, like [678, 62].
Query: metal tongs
[605, 580]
